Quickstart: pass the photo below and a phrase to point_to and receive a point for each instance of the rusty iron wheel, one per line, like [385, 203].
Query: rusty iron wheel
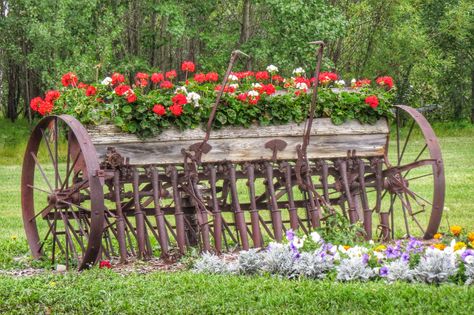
[61, 194]
[412, 198]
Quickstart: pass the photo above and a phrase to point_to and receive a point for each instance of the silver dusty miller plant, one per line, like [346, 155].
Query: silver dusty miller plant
[435, 266]
[313, 265]
[278, 259]
[469, 272]
[250, 262]
[354, 268]
[397, 270]
[210, 263]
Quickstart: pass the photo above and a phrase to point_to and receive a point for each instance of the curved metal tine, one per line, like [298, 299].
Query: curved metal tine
[412, 214]
[404, 209]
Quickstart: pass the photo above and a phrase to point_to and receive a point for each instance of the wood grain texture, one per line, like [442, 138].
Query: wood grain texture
[238, 144]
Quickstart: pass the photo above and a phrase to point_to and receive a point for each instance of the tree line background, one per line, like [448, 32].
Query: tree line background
[426, 45]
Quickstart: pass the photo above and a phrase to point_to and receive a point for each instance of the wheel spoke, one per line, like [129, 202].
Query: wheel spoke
[42, 171]
[400, 157]
[38, 189]
[54, 161]
[47, 208]
[421, 176]
[69, 171]
[417, 158]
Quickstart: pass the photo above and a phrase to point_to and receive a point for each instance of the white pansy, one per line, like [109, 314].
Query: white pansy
[253, 93]
[469, 259]
[371, 242]
[107, 81]
[233, 78]
[181, 89]
[315, 237]
[298, 71]
[340, 83]
[272, 68]
[256, 85]
[379, 255]
[299, 242]
[301, 86]
[356, 251]
[193, 97]
[234, 86]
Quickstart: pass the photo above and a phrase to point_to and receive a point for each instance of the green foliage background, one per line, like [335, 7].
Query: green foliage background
[426, 45]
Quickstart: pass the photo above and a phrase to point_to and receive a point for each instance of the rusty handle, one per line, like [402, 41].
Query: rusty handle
[233, 58]
[314, 98]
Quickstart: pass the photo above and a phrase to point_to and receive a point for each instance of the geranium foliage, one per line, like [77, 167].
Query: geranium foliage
[157, 101]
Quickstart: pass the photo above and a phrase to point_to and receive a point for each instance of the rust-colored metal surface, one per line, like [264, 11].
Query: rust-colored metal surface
[79, 210]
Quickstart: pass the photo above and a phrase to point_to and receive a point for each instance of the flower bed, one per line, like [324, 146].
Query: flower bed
[448, 259]
[158, 101]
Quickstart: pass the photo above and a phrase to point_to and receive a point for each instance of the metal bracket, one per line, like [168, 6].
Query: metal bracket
[275, 145]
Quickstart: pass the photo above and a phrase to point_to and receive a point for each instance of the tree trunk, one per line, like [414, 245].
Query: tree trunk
[12, 101]
[245, 29]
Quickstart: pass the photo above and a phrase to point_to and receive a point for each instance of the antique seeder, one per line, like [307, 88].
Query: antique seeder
[92, 193]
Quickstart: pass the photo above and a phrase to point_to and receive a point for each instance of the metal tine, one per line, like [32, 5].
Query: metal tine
[120, 220]
[275, 212]
[314, 205]
[215, 209]
[342, 165]
[140, 222]
[384, 225]
[201, 210]
[378, 184]
[364, 201]
[159, 216]
[129, 238]
[294, 224]
[179, 214]
[238, 213]
[256, 232]
[324, 179]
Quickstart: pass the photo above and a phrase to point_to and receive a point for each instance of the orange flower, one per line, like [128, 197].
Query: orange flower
[455, 229]
[437, 236]
[440, 246]
[470, 236]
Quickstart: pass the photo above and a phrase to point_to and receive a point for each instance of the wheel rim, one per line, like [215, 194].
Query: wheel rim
[62, 196]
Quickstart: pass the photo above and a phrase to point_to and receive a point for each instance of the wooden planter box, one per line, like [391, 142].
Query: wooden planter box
[238, 144]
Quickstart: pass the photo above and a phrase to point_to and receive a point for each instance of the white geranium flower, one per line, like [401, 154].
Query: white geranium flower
[256, 85]
[233, 78]
[253, 93]
[234, 86]
[315, 237]
[353, 81]
[298, 71]
[107, 81]
[272, 69]
[301, 86]
[340, 83]
[193, 97]
[181, 89]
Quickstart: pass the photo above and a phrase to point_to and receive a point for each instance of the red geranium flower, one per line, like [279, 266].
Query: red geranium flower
[176, 109]
[159, 109]
[45, 108]
[131, 97]
[166, 85]
[372, 101]
[157, 77]
[262, 75]
[82, 85]
[385, 81]
[179, 99]
[122, 89]
[105, 264]
[171, 74]
[188, 66]
[362, 82]
[91, 90]
[212, 77]
[327, 77]
[141, 79]
[242, 97]
[200, 77]
[36, 103]
[277, 78]
[52, 95]
[269, 89]
[117, 78]
[254, 100]
[69, 79]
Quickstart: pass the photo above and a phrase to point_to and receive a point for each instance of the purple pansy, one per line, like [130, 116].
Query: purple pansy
[392, 252]
[290, 235]
[383, 271]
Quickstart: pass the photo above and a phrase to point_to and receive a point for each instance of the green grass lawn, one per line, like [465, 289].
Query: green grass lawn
[100, 291]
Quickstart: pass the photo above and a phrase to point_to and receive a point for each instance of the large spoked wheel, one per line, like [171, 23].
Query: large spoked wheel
[413, 179]
[61, 194]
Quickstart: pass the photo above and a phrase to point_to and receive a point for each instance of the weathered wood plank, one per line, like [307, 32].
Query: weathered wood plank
[240, 144]
[109, 134]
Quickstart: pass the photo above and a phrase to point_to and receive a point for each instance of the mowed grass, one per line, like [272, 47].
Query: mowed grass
[100, 291]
